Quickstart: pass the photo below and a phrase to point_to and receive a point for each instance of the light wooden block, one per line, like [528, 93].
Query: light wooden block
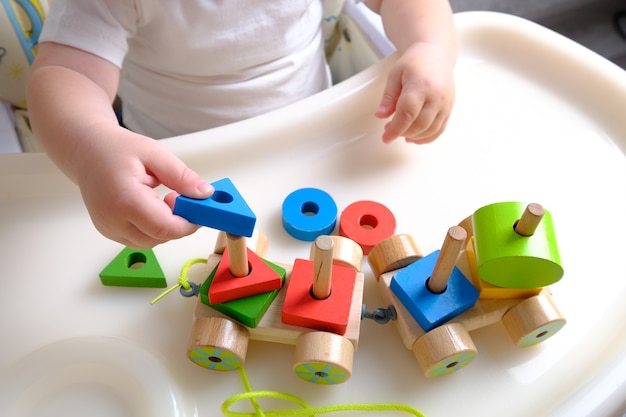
[393, 253]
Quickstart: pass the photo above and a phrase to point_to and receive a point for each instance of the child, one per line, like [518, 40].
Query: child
[187, 66]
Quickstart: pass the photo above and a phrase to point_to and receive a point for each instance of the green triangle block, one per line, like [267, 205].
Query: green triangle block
[248, 310]
[134, 268]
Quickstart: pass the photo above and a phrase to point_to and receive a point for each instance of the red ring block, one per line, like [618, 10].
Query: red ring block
[367, 223]
[227, 287]
[300, 308]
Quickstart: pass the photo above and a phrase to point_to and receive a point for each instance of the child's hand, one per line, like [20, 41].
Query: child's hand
[70, 94]
[419, 93]
[117, 180]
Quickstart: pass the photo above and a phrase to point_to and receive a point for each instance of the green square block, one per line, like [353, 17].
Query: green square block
[134, 268]
[248, 310]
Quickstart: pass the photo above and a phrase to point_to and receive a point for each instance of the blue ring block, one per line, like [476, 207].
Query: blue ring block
[309, 213]
[225, 210]
[427, 308]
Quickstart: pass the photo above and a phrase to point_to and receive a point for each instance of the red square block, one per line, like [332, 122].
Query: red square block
[300, 308]
[227, 287]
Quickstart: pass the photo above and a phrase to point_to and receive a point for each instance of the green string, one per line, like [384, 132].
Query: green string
[183, 281]
[305, 410]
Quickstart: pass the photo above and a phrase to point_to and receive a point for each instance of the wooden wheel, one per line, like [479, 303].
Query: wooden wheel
[217, 343]
[444, 350]
[533, 320]
[393, 253]
[323, 358]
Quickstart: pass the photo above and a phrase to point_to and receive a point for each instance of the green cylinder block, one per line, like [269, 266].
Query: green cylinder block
[507, 259]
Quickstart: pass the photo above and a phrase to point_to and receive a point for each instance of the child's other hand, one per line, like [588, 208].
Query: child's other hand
[419, 94]
[117, 180]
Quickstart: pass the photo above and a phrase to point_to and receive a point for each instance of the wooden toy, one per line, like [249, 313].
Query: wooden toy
[134, 268]
[322, 267]
[312, 351]
[248, 310]
[218, 343]
[224, 210]
[444, 350]
[345, 252]
[316, 304]
[219, 340]
[367, 223]
[432, 288]
[533, 320]
[515, 245]
[384, 257]
[308, 213]
[258, 243]
[309, 301]
[530, 315]
[487, 290]
[241, 273]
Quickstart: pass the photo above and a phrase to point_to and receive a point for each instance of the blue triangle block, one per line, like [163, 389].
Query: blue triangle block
[225, 210]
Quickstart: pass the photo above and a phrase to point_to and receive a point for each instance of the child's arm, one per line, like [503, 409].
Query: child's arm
[69, 97]
[420, 88]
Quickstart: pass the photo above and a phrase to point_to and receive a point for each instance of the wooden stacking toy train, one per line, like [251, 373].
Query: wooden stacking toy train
[495, 265]
[502, 273]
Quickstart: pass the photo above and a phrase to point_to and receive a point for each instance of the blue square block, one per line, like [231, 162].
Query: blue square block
[225, 210]
[427, 308]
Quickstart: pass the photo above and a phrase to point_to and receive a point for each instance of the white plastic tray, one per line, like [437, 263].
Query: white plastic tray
[538, 118]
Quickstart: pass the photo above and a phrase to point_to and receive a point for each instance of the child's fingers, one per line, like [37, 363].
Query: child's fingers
[170, 199]
[174, 174]
[426, 123]
[136, 239]
[140, 219]
[153, 223]
[409, 116]
[432, 134]
[391, 93]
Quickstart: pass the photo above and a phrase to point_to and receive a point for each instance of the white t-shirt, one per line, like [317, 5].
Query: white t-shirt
[190, 65]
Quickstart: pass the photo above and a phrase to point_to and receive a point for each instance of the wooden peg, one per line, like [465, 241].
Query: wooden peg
[527, 224]
[258, 243]
[322, 266]
[238, 253]
[220, 242]
[452, 247]
[346, 252]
